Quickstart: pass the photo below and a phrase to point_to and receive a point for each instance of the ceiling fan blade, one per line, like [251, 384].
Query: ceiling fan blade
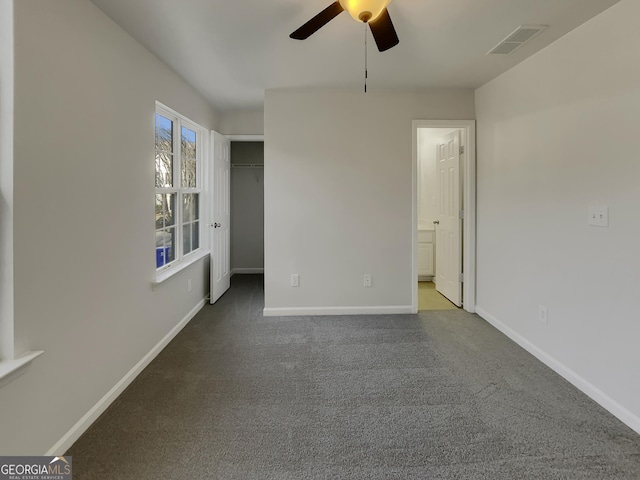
[383, 31]
[317, 22]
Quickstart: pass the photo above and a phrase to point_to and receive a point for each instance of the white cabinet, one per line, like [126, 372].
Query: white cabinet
[425, 254]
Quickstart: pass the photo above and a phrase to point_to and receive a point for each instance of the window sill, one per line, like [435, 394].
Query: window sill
[165, 275]
[12, 369]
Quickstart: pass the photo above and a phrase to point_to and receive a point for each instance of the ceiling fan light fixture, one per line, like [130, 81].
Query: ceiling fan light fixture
[364, 10]
[373, 13]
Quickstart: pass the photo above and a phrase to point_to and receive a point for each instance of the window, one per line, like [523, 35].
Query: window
[12, 363]
[178, 187]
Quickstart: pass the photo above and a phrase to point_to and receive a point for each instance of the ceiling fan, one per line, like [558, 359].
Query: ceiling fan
[371, 12]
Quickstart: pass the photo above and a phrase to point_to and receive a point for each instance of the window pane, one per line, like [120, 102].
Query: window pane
[186, 238]
[189, 173]
[195, 235]
[188, 143]
[165, 251]
[159, 214]
[165, 207]
[171, 244]
[188, 158]
[164, 152]
[170, 207]
[164, 133]
[190, 207]
[164, 170]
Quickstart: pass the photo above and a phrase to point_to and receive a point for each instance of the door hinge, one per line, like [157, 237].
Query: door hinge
[462, 278]
[462, 214]
[461, 149]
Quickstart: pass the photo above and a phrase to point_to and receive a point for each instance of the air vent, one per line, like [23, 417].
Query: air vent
[516, 39]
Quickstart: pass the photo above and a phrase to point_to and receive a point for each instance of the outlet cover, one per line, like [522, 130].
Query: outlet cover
[543, 314]
[295, 280]
[367, 280]
[599, 216]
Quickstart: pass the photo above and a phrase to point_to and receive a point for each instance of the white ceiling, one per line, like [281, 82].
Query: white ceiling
[232, 51]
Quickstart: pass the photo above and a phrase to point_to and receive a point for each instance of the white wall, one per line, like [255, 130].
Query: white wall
[247, 208]
[557, 134]
[6, 179]
[242, 122]
[84, 228]
[338, 194]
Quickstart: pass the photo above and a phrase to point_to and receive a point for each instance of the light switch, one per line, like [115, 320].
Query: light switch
[599, 216]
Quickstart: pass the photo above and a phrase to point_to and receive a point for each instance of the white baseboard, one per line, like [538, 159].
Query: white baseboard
[604, 400]
[244, 271]
[99, 408]
[316, 311]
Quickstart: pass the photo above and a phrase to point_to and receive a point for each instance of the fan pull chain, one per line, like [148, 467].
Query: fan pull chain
[366, 73]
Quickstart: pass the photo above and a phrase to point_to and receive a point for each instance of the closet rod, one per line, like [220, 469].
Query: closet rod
[247, 165]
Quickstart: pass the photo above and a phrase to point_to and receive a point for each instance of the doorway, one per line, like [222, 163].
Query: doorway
[237, 208]
[443, 215]
[247, 204]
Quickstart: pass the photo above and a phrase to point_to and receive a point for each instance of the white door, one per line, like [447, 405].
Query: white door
[220, 218]
[448, 241]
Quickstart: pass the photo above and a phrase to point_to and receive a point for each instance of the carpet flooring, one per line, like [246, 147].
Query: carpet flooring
[431, 299]
[439, 395]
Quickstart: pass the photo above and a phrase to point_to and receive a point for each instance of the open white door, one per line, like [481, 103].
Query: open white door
[448, 241]
[220, 216]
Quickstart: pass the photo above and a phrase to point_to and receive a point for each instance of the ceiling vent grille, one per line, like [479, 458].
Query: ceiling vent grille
[516, 39]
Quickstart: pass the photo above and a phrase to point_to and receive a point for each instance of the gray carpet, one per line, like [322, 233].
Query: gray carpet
[440, 395]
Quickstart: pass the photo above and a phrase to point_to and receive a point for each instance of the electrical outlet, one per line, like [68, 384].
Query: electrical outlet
[367, 280]
[189, 285]
[295, 280]
[599, 216]
[543, 314]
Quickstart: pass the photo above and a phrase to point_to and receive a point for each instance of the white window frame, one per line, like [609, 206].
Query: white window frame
[182, 260]
[12, 363]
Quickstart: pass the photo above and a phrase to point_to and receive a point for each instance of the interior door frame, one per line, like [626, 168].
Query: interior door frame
[245, 138]
[468, 167]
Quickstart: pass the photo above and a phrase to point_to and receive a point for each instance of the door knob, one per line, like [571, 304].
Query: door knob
[216, 225]
[436, 222]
